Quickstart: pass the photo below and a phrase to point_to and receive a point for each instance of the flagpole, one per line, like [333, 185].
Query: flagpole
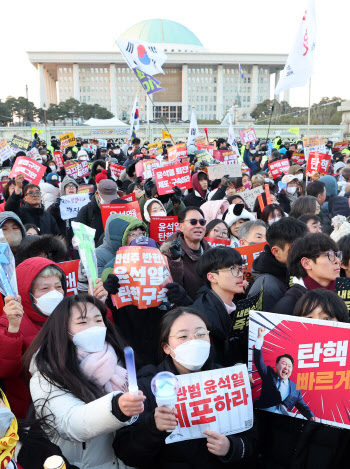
[309, 114]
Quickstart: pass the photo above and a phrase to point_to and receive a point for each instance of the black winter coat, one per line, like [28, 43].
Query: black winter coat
[193, 200]
[142, 445]
[28, 214]
[287, 303]
[90, 215]
[64, 226]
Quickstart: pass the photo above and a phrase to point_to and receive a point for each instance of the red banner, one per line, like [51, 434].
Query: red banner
[31, 169]
[318, 163]
[339, 146]
[129, 198]
[163, 227]
[170, 176]
[209, 148]
[116, 169]
[84, 188]
[213, 242]
[226, 156]
[279, 167]
[247, 135]
[70, 269]
[249, 254]
[177, 151]
[317, 377]
[298, 158]
[132, 209]
[83, 169]
[143, 273]
[58, 158]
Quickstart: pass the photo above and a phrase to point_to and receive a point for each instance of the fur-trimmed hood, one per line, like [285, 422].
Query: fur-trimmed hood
[54, 248]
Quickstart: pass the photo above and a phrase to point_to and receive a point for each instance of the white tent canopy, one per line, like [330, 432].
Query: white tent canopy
[113, 122]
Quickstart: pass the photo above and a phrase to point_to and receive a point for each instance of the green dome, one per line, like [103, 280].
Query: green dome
[163, 32]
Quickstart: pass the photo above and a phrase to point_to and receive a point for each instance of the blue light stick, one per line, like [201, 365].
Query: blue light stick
[4, 278]
[130, 368]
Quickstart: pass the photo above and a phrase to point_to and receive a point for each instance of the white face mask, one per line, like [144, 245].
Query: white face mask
[273, 220]
[291, 190]
[300, 147]
[83, 158]
[159, 214]
[117, 152]
[267, 180]
[53, 168]
[300, 177]
[39, 160]
[48, 302]
[90, 340]
[192, 354]
[252, 152]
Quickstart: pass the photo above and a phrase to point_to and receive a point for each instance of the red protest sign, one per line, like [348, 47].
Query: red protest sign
[163, 227]
[116, 169]
[318, 163]
[177, 151]
[213, 242]
[209, 148]
[247, 135]
[57, 156]
[71, 169]
[339, 146]
[83, 169]
[84, 188]
[143, 273]
[319, 378]
[31, 169]
[132, 209]
[149, 166]
[249, 254]
[226, 156]
[70, 270]
[279, 167]
[129, 198]
[170, 176]
[298, 158]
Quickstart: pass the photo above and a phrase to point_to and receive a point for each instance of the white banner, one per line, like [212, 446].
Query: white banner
[193, 133]
[218, 400]
[71, 204]
[217, 171]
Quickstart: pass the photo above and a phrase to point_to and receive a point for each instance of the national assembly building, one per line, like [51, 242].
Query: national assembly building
[212, 82]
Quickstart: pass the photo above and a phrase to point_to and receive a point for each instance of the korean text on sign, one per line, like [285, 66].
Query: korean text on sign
[213, 242]
[5, 150]
[170, 176]
[132, 209]
[143, 273]
[247, 135]
[218, 400]
[279, 167]
[177, 151]
[71, 204]
[163, 227]
[116, 170]
[68, 140]
[70, 270]
[318, 163]
[31, 170]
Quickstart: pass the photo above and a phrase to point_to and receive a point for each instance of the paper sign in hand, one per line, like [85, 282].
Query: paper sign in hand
[8, 282]
[84, 239]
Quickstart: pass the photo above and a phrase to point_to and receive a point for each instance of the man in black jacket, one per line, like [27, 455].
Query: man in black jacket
[270, 268]
[30, 209]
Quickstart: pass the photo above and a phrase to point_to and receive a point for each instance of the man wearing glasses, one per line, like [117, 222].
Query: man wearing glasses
[30, 209]
[184, 249]
[313, 262]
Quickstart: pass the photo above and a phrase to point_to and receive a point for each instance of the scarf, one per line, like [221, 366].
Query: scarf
[311, 284]
[197, 187]
[102, 369]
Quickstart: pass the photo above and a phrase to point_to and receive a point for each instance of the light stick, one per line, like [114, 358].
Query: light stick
[130, 368]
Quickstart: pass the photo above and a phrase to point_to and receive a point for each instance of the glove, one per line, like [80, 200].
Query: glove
[177, 196]
[148, 186]
[225, 181]
[138, 180]
[111, 284]
[177, 294]
[175, 249]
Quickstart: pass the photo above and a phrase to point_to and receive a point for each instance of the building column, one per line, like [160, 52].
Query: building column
[277, 79]
[43, 99]
[286, 95]
[76, 84]
[113, 89]
[268, 84]
[220, 93]
[254, 91]
[185, 92]
[150, 116]
[54, 92]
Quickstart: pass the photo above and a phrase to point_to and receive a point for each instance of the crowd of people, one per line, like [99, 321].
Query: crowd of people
[62, 370]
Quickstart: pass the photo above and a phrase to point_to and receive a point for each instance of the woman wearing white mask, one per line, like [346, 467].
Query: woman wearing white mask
[185, 343]
[288, 194]
[272, 213]
[79, 383]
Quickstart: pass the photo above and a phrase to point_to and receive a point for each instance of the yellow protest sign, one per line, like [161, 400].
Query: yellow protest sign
[166, 135]
[68, 140]
[294, 130]
[34, 130]
[157, 145]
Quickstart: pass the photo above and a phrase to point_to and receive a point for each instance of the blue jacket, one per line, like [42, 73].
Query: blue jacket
[270, 396]
[252, 165]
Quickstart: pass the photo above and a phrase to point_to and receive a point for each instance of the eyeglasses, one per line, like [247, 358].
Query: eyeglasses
[333, 255]
[33, 193]
[220, 233]
[194, 221]
[70, 186]
[235, 270]
[201, 334]
[137, 235]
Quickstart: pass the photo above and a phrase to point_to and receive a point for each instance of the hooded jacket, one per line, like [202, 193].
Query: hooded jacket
[146, 215]
[54, 248]
[143, 445]
[214, 209]
[13, 345]
[198, 196]
[4, 216]
[29, 214]
[271, 273]
[117, 230]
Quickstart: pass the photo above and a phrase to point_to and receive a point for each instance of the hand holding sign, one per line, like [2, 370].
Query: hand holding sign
[216, 443]
[14, 312]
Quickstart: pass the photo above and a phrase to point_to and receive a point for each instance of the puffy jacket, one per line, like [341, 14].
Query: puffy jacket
[117, 230]
[143, 445]
[49, 193]
[184, 271]
[84, 432]
[13, 345]
[29, 214]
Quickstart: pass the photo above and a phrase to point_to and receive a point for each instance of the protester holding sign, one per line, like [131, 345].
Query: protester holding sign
[200, 191]
[186, 345]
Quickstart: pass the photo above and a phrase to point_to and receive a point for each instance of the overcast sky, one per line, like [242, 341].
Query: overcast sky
[267, 26]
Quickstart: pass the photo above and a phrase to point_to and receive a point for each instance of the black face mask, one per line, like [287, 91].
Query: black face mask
[263, 148]
[54, 144]
[79, 145]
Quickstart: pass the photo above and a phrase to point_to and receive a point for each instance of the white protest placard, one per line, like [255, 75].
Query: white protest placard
[249, 197]
[218, 400]
[102, 142]
[5, 150]
[32, 153]
[217, 171]
[71, 204]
